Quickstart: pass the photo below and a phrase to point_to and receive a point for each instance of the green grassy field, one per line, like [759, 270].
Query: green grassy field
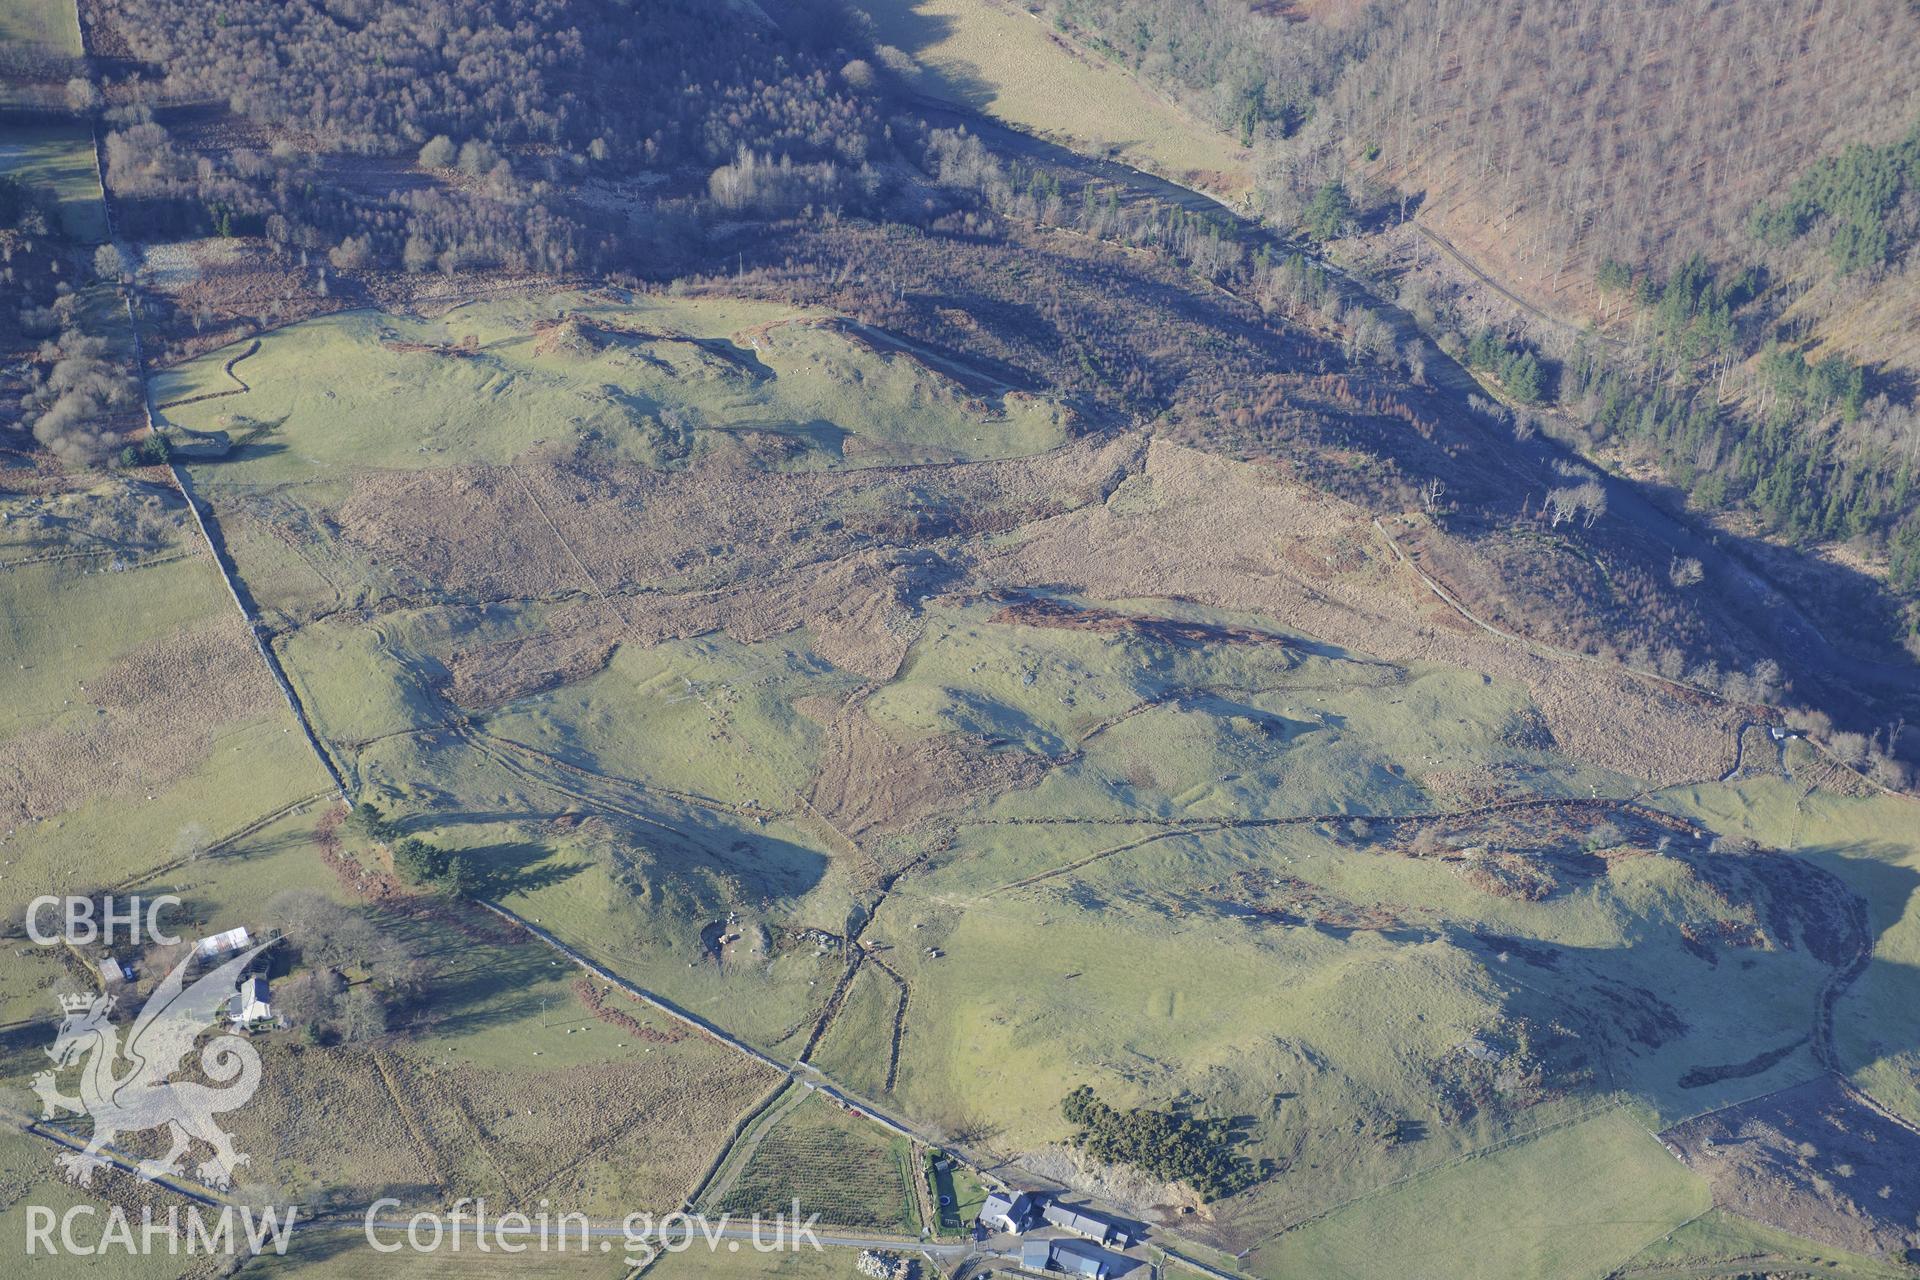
[48, 22]
[855, 1048]
[657, 378]
[1575, 1202]
[997, 59]
[57, 157]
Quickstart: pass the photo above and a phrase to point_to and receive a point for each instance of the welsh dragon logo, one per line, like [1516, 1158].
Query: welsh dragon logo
[140, 1096]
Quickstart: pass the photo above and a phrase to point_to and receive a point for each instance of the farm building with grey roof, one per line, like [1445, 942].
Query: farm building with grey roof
[1074, 1257]
[1093, 1226]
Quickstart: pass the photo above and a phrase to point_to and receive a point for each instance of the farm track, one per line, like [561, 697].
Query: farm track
[720, 724]
[735, 1157]
[692, 799]
[746, 1121]
[528, 771]
[1739, 750]
[1472, 268]
[483, 743]
[808, 1074]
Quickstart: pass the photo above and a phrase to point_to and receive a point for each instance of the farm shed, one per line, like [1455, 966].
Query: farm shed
[220, 944]
[1074, 1258]
[1093, 1226]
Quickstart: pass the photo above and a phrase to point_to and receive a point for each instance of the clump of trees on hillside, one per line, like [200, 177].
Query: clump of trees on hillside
[1855, 195]
[1170, 1146]
[77, 389]
[1516, 365]
[1205, 244]
[416, 861]
[760, 184]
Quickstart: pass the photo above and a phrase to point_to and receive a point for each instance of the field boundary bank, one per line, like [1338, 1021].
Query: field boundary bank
[423, 1148]
[1208, 826]
[219, 846]
[239, 390]
[899, 1021]
[255, 627]
[93, 553]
